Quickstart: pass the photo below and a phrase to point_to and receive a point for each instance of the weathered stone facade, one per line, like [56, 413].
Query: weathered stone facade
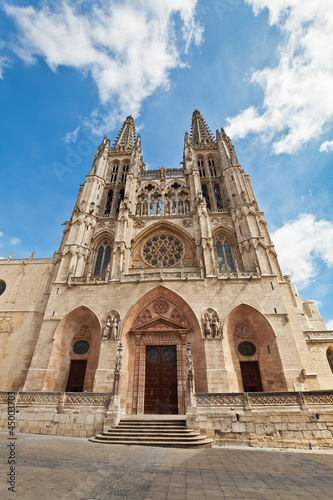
[157, 259]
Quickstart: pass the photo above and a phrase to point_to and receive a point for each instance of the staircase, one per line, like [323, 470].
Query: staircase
[154, 430]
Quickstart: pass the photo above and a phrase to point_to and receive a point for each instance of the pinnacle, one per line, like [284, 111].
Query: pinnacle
[200, 132]
[126, 138]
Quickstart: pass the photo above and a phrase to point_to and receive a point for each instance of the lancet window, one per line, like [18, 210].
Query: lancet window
[218, 197]
[212, 167]
[108, 205]
[120, 198]
[114, 173]
[201, 168]
[206, 195]
[103, 259]
[329, 355]
[224, 255]
[125, 170]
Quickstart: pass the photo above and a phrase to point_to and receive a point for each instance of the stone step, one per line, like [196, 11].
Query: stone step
[165, 432]
[145, 435]
[203, 443]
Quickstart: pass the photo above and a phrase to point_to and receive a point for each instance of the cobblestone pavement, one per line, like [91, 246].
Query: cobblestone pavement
[52, 467]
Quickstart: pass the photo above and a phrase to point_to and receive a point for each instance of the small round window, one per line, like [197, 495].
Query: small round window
[2, 287]
[247, 349]
[81, 347]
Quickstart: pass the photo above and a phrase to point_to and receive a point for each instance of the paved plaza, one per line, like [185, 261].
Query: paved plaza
[52, 467]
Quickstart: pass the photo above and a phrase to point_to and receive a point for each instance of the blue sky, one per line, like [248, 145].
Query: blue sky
[71, 72]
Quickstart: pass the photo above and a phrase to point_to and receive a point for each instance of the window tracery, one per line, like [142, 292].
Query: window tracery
[163, 250]
[224, 255]
[153, 202]
[103, 259]
[114, 173]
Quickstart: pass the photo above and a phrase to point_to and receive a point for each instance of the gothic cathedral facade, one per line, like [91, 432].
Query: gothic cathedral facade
[158, 259]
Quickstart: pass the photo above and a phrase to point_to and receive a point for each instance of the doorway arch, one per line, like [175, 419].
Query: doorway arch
[76, 349]
[252, 355]
[160, 319]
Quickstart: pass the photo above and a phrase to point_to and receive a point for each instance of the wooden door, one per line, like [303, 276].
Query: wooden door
[251, 376]
[76, 376]
[161, 380]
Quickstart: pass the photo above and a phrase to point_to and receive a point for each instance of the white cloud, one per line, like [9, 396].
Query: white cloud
[301, 244]
[14, 240]
[1, 234]
[71, 136]
[298, 97]
[128, 46]
[329, 324]
[326, 147]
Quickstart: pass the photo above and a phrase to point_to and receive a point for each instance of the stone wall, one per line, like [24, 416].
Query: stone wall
[64, 414]
[278, 420]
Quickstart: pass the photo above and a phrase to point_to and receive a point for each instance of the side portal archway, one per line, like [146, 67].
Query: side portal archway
[252, 355]
[155, 333]
[75, 353]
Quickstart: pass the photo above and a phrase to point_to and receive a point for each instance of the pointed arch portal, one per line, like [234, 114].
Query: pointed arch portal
[155, 333]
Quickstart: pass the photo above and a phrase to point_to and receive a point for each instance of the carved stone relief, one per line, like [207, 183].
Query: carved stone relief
[83, 333]
[211, 325]
[139, 223]
[111, 326]
[187, 222]
[244, 331]
[6, 324]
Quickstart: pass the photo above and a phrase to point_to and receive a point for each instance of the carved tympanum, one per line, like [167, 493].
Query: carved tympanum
[244, 331]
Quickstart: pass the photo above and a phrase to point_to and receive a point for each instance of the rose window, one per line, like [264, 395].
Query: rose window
[163, 250]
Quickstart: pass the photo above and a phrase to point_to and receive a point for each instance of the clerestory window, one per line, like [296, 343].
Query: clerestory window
[103, 259]
[224, 255]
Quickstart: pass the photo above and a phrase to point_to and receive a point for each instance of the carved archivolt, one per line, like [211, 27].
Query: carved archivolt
[211, 325]
[111, 325]
[6, 324]
[244, 331]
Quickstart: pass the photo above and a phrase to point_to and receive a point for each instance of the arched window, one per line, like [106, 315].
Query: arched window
[212, 167]
[114, 173]
[329, 355]
[125, 170]
[218, 197]
[224, 256]
[108, 203]
[201, 168]
[206, 195]
[103, 259]
[120, 198]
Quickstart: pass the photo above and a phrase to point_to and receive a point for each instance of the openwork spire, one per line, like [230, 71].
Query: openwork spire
[200, 133]
[126, 138]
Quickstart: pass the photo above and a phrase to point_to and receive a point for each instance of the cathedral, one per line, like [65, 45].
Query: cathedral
[161, 275]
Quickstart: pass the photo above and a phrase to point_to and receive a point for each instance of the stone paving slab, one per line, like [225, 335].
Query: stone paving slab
[52, 467]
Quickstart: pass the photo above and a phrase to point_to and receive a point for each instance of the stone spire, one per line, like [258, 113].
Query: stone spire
[200, 133]
[126, 138]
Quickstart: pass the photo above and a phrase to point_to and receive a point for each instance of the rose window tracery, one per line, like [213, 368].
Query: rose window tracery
[163, 249]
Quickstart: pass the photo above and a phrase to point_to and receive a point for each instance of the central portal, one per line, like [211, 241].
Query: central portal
[161, 380]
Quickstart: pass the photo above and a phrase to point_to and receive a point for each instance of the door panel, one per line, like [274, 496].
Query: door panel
[76, 376]
[251, 376]
[161, 380]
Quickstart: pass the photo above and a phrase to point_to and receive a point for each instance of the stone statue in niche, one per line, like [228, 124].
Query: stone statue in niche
[211, 325]
[111, 326]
